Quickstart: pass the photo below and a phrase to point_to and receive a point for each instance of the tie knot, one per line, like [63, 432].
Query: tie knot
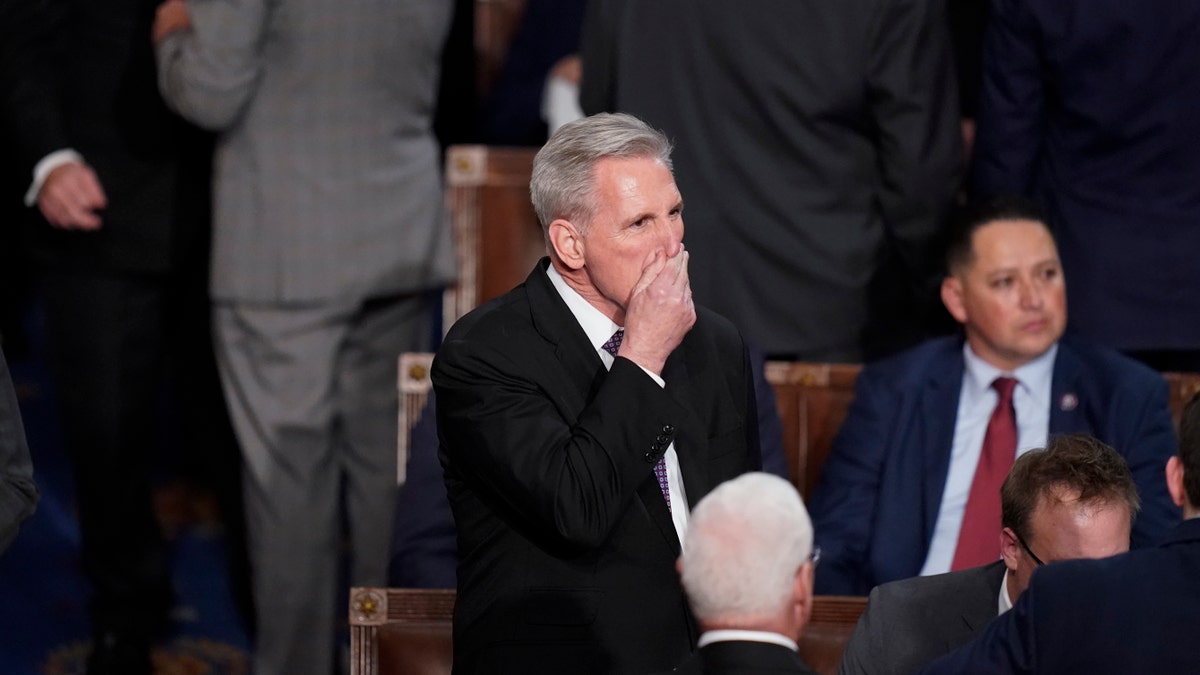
[614, 342]
[1004, 386]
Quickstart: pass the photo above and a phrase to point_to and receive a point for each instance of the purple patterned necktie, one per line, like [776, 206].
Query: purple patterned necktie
[660, 469]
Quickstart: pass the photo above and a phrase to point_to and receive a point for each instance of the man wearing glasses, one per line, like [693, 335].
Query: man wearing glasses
[747, 567]
[1074, 499]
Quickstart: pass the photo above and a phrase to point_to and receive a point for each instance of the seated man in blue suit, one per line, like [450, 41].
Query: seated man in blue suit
[1074, 499]
[900, 494]
[1132, 613]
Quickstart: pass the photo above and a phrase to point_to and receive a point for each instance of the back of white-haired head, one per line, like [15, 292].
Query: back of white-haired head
[746, 541]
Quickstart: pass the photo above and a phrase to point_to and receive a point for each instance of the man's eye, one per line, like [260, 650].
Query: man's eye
[1002, 282]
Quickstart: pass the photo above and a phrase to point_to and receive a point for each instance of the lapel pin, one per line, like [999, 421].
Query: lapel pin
[1068, 402]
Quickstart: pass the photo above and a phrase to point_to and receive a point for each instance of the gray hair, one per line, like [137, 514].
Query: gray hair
[746, 541]
[562, 185]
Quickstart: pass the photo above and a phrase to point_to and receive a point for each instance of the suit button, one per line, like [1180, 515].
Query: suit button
[650, 455]
[668, 429]
[664, 440]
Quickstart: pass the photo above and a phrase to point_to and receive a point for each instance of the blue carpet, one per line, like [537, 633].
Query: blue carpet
[43, 593]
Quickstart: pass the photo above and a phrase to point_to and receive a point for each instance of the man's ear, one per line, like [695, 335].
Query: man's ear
[952, 298]
[567, 243]
[1010, 548]
[802, 595]
[1175, 480]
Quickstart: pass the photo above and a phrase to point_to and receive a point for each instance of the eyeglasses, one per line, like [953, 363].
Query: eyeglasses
[1026, 547]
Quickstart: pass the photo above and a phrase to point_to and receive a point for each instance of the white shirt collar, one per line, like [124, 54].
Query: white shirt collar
[729, 635]
[1004, 603]
[598, 327]
[1033, 378]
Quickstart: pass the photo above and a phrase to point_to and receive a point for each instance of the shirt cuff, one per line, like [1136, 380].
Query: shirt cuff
[43, 168]
[661, 382]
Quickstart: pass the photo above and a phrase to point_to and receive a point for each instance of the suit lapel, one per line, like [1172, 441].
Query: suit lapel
[582, 372]
[581, 368]
[984, 597]
[1067, 394]
[938, 414]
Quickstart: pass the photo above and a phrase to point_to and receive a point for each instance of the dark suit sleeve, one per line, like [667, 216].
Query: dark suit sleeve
[1010, 122]
[1147, 447]
[844, 503]
[18, 493]
[568, 477]
[913, 102]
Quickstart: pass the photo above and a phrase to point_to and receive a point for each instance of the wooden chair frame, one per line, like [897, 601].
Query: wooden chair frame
[421, 620]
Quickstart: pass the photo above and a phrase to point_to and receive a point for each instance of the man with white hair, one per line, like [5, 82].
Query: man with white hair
[747, 567]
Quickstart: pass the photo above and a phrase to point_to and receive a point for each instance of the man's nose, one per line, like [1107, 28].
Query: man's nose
[671, 238]
[1032, 294]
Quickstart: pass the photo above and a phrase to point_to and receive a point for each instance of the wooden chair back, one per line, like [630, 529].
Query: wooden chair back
[409, 631]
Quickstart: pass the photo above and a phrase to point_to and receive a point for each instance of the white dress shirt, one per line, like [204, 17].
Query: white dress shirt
[599, 329]
[1003, 603]
[977, 399]
[730, 635]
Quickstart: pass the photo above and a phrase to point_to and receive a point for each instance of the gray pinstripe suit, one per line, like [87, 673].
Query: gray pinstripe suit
[328, 227]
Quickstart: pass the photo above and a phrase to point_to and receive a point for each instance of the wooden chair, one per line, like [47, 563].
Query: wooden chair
[496, 231]
[413, 382]
[406, 631]
[1181, 388]
[812, 399]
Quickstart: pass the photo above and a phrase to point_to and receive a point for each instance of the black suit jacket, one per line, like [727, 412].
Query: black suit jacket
[1132, 613]
[818, 145]
[744, 658]
[81, 75]
[567, 547]
[910, 622]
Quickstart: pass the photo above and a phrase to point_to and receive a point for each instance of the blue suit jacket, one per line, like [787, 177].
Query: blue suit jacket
[1132, 613]
[1089, 107]
[881, 487]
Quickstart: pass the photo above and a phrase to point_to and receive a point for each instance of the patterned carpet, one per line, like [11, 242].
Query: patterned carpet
[43, 620]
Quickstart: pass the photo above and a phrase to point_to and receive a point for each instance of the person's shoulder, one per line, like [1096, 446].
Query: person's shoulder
[1107, 366]
[1084, 578]
[496, 315]
[938, 591]
[716, 331]
[497, 332]
[916, 363]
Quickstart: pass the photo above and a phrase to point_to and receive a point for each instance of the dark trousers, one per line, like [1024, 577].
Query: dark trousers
[116, 345]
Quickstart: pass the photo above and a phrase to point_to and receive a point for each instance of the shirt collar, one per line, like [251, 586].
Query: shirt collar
[1004, 603]
[1033, 377]
[711, 636]
[598, 327]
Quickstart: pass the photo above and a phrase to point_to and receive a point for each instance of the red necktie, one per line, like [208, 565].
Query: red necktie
[979, 538]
